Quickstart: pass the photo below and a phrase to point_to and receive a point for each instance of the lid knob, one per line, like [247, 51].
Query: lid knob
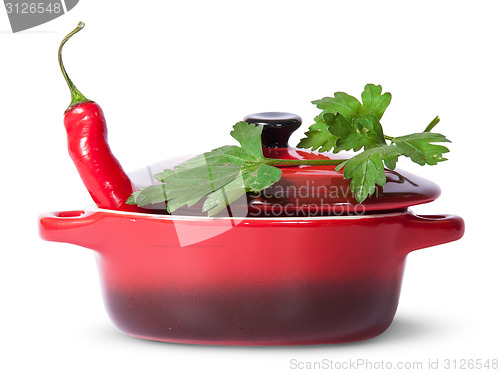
[278, 127]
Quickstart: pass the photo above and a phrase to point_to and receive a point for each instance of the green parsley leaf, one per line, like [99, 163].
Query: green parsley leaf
[224, 174]
[249, 137]
[362, 132]
[163, 175]
[347, 106]
[253, 180]
[367, 169]
[371, 129]
[352, 124]
[420, 148]
[222, 197]
[374, 102]
[151, 194]
[190, 184]
[318, 137]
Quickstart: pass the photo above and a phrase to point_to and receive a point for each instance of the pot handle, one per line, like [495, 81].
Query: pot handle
[73, 227]
[422, 231]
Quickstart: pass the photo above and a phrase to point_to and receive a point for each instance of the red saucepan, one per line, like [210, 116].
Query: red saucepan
[326, 270]
[254, 281]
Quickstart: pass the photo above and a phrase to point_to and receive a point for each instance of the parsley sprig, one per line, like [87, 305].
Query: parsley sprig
[347, 124]
[225, 174]
[222, 175]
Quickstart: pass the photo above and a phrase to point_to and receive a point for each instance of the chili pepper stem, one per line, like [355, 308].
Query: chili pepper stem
[76, 96]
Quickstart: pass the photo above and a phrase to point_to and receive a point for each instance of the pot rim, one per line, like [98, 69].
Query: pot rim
[94, 208]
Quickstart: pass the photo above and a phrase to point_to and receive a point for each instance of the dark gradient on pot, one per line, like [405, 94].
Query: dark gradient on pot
[297, 313]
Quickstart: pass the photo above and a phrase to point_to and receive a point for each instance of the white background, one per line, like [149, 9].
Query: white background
[172, 78]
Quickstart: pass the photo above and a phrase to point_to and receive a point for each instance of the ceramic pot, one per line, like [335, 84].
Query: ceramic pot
[262, 281]
[256, 276]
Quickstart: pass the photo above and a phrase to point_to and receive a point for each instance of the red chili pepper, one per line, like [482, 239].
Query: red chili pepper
[88, 147]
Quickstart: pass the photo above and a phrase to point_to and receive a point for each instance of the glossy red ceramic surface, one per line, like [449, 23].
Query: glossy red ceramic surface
[251, 281]
[320, 190]
[308, 190]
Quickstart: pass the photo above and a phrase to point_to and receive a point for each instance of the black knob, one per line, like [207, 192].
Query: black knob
[278, 127]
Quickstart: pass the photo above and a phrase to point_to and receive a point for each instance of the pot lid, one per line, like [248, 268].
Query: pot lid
[308, 190]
